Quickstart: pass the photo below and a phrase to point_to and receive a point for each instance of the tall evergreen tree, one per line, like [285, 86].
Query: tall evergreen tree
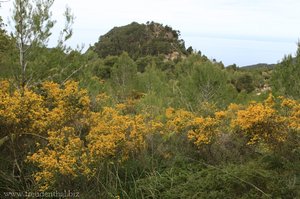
[32, 29]
[285, 77]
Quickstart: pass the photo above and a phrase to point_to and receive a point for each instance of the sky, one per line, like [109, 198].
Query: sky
[243, 32]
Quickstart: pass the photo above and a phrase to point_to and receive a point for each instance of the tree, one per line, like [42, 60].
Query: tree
[285, 78]
[6, 49]
[245, 82]
[32, 29]
[3, 37]
[201, 81]
[123, 75]
[190, 50]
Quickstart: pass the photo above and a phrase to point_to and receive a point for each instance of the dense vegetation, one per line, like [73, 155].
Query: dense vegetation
[140, 40]
[119, 123]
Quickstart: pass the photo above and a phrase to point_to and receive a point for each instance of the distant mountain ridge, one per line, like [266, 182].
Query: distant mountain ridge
[259, 65]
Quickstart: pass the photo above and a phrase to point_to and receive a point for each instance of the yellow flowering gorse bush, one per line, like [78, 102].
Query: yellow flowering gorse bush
[21, 112]
[64, 155]
[199, 130]
[292, 108]
[262, 123]
[113, 134]
[204, 130]
[76, 138]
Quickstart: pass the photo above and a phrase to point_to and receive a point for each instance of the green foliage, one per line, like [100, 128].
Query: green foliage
[244, 82]
[285, 77]
[123, 76]
[100, 69]
[155, 86]
[232, 67]
[251, 180]
[7, 51]
[201, 81]
[140, 40]
[3, 37]
[32, 20]
[143, 62]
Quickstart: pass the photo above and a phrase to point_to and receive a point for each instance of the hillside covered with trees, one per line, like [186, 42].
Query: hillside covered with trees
[140, 116]
[140, 40]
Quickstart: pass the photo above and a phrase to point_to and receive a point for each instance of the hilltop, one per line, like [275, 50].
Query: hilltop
[140, 40]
